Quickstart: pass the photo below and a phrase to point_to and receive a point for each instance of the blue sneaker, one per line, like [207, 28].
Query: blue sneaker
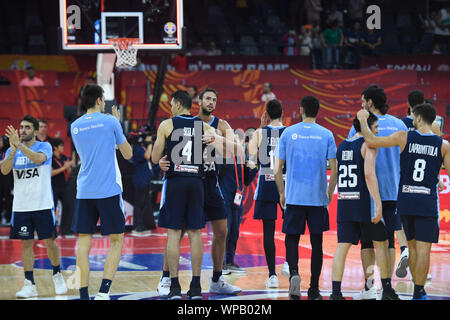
[424, 297]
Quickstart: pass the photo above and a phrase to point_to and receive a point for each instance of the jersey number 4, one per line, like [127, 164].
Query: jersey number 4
[347, 178]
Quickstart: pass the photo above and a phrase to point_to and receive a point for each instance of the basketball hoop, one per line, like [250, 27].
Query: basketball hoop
[125, 51]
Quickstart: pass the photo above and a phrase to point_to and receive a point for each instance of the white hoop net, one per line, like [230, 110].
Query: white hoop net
[125, 51]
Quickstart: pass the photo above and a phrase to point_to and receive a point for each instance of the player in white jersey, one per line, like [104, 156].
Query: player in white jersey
[33, 208]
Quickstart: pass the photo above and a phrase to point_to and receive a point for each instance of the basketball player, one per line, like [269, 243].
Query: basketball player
[388, 174]
[33, 208]
[99, 186]
[422, 154]
[415, 97]
[182, 203]
[261, 150]
[214, 206]
[305, 148]
[357, 182]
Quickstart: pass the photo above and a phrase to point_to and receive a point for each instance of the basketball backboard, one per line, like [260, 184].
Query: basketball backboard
[86, 25]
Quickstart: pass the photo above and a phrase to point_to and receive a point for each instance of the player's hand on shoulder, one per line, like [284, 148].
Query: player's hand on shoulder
[251, 164]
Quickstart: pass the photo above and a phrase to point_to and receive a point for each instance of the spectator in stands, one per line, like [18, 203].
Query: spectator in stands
[42, 132]
[442, 30]
[4, 81]
[313, 9]
[61, 169]
[290, 43]
[6, 186]
[355, 9]
[31, 80]
[193, 93]
[371, 42]
[305, 41]
[352, 49]
[198, 50]
[316, 52]
[332, 40]
[436, 49]
[179, 62]
[213, 50]
[267, 92]
[335, 14]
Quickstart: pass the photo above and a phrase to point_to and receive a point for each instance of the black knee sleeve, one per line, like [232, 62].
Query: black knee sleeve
[391, 240]
[365, 244]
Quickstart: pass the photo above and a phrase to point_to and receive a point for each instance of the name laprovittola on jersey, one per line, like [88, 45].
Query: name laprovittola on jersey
[32, 182]
[354, 202]
[266, 189]
[185, 148]
[421, 162]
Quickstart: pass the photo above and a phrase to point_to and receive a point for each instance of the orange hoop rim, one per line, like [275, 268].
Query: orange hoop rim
[124, 43]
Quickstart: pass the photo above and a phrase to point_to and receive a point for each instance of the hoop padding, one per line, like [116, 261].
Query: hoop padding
[125, 51]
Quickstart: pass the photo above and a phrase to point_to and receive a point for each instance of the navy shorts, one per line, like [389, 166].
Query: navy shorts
[355, 231]
[214, 208]
[266, 210]
[110, 211]
[390, 216]
[295, 218]
[24, 224]
[421, 228]
[182, 203]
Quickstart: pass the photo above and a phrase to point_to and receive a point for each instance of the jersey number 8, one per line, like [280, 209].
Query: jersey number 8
[419, 170]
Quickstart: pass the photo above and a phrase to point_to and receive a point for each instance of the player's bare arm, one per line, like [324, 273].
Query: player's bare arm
[369, 155]
[333, 179]
[253, 146]
[436, 128]
[164, 130]
[7, 164]
[125, 148]
[233, 145]
[445, 151]
[398, 138]
[278, 172]
[36, 157]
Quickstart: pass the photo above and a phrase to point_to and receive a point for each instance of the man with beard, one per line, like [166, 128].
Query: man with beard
[33, 207]
[214, 206]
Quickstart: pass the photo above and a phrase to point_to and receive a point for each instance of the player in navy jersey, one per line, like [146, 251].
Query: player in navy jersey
[99, 186]
[388, 174]
[422, 154]
[182, 200]
[261, 150]
[415, 97]
[33, 208]
[357, 217]
[214, 207]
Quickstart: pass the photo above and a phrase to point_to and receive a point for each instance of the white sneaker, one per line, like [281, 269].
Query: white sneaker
[60, 284]
[28, 290]
[370, 294]
[401, 270]
[294, 288]
[164, 287]
[285, 270]
[102, 296]
[429, 277]
[272, 282]
[222, 287]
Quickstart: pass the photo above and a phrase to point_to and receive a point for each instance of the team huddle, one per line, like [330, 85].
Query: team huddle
[386, 173]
